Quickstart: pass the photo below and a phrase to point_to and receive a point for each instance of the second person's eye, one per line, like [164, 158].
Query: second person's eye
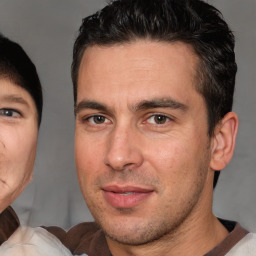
[9, 112]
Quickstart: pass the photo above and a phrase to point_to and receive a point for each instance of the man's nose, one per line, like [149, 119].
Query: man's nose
[124, 149]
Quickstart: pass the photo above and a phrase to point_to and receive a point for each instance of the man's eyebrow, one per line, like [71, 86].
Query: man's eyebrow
[13, 98]
[160, 103]
[87, 104]
[145, 104]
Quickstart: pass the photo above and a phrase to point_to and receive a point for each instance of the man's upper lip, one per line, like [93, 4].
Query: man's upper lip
[124, 189]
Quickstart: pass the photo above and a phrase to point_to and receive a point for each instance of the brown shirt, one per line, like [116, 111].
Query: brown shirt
[89, 239]
[9, 222]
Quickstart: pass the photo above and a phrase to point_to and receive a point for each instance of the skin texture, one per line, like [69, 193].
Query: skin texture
[18, 140]
[141, 127]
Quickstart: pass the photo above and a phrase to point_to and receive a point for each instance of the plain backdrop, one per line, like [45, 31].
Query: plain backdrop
[47, 29]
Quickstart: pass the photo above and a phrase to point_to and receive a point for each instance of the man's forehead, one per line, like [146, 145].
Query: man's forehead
[138, 53]
[144, 68]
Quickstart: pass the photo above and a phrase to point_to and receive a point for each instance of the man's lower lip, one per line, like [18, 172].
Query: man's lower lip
[125, 200]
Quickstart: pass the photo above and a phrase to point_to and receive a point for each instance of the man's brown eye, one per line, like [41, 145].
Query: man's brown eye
[160, 119]
[99, 119]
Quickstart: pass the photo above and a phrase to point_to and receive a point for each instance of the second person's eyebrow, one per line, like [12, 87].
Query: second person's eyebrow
[14, 98]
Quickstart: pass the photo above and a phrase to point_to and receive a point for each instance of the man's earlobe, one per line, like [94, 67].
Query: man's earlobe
[224, 141]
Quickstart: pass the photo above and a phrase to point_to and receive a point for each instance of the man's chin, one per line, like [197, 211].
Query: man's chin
[129, 240]
[133, 234]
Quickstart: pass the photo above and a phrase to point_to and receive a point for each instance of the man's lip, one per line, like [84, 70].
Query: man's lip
[126, 189]
[126, 196]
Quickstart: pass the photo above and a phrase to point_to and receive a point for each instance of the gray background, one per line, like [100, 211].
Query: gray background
[47, 29]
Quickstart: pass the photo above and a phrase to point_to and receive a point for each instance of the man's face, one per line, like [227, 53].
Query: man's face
[142, 149]
[18, 139]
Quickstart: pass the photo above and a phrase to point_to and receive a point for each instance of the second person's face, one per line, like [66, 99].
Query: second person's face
[18, 140]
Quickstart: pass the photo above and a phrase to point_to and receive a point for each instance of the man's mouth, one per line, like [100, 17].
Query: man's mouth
[126, 196]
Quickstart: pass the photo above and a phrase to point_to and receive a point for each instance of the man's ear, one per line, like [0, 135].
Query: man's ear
[223, 142]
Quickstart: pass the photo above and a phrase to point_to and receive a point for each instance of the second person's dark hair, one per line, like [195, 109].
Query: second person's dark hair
[17, 66]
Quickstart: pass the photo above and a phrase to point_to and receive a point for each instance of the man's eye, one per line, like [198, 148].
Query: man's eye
[158, 119]
[9, 112]
[97, 119]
